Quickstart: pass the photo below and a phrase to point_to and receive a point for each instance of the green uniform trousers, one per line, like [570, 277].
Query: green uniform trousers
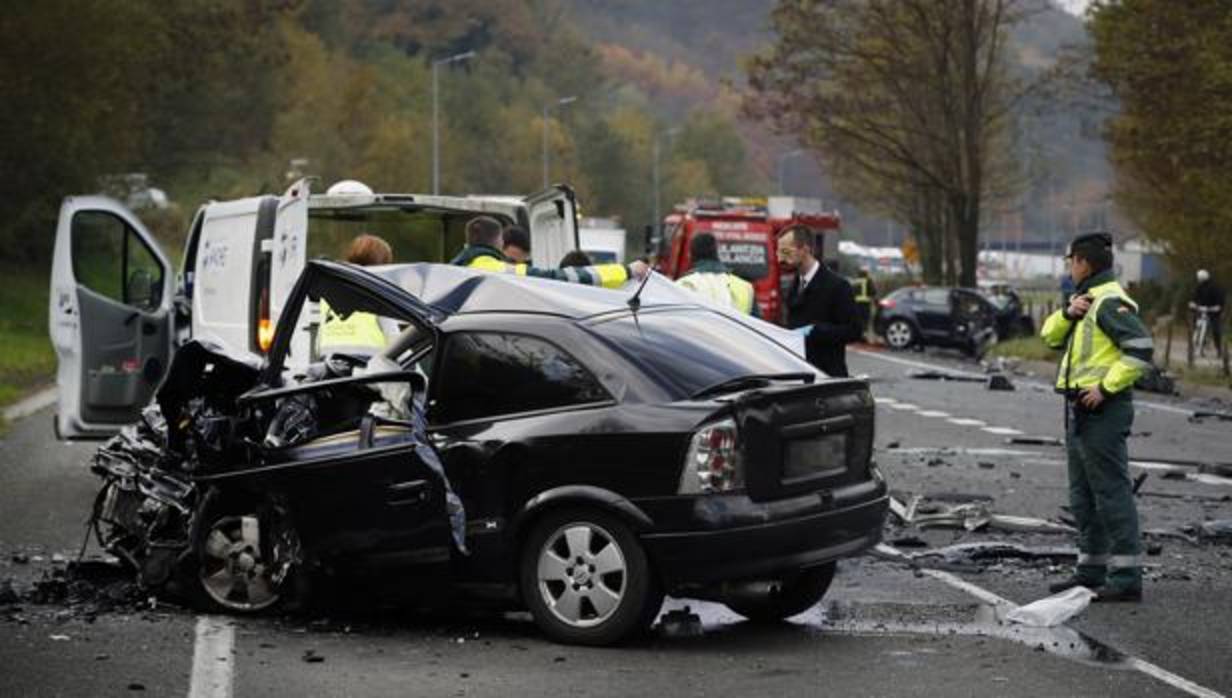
[1101, 494]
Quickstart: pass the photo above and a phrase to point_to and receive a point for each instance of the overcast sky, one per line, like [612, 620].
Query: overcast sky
[1074, 6]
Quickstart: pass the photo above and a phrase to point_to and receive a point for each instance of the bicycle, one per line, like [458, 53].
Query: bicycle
[1201, 328]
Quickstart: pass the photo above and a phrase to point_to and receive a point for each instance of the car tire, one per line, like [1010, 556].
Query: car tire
[586, 579]
[900, 334]
[229, 573]
[789, 596]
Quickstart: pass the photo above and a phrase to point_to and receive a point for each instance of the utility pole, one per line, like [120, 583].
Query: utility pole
[656, 222]
[436, 115]
[547, 106]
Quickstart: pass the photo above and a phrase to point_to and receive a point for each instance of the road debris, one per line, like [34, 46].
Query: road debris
[1052, 610]
[1219, 530]
[311, 657]
[682, 622]
[1200, 415]
[999, 381]
[933, 375]
[1035, 441]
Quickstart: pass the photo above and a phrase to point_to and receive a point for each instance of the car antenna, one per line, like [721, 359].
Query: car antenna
[635, 303]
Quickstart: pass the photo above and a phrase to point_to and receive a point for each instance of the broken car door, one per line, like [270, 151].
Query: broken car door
[110, 316]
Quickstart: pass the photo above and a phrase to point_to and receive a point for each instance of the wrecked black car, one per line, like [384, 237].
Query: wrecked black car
[568, 450]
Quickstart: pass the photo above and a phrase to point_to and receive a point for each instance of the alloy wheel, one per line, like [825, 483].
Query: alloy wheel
[233, 571]
[899, 334]
[582, 574]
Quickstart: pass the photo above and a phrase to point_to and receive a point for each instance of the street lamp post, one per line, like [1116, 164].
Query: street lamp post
[656, 222]
[783, 158]
[547, 107]
[436, 115]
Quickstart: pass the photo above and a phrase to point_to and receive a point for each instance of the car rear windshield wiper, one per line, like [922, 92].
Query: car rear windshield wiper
[755, 380]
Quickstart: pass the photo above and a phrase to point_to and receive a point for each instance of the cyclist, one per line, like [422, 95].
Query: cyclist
[1209, 297]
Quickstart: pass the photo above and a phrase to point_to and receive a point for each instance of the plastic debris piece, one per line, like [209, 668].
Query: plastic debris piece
[312, 657]
[1217, 530]
[1000, 381]
[681, 622]
[1052, 610]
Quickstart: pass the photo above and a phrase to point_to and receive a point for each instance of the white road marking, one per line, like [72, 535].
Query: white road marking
[1003, 431]
[933, 413]
[41, 400]
[1137, 663]
[213, 661]
[903, 406]
[884, 400]
[965, 422]
[936, 367]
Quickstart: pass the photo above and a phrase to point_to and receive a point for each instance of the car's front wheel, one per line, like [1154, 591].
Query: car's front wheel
[586, 578]
[241, 568]
[899, 334]
[791, 595]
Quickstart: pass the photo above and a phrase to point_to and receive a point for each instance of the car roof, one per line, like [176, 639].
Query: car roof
[460, 290]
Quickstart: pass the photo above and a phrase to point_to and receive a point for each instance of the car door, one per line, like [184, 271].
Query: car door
[109, 314]
[932, 311]
[288, 257]
[384, 500]
[553, 225]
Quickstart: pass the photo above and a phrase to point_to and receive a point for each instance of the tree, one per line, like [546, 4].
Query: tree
[909, 98]
[1170, 66]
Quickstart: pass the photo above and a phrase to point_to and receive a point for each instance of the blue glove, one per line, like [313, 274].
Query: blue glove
[803, 331]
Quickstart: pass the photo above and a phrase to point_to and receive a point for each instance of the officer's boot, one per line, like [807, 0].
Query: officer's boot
[1122, 584]
[1089, 576]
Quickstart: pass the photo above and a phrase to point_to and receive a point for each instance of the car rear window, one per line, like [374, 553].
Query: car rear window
[688, 350]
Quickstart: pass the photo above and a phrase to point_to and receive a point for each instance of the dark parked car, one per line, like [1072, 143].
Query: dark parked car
[1012, 319]
[961, 318]
[598, 451]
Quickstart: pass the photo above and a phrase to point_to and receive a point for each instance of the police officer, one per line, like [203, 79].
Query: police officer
[710, 278]
[482, 251]
[1107, 348]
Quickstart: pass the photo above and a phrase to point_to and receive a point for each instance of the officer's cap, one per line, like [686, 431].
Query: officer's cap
[1100, 240]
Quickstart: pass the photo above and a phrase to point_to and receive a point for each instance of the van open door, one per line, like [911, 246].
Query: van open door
[110, 316]
[553, 225]
[288, 257]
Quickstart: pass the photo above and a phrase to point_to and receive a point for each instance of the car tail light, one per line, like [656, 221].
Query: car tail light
[713, 460]
[887, 303]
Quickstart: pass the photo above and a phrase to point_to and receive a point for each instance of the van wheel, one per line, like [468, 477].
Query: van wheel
[899, 334]
[236, 571]
[789, 596]
[586, 579]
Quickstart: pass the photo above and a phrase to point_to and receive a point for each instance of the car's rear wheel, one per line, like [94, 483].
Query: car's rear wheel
[899, 334]
[236, 571]
[586, 578]
[791, 595]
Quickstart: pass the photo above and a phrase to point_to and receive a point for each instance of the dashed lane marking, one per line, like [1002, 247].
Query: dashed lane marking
[1001, 431]
[903, 406]
[1137, 663]
[933, 413]
[213, 659]
[966, 422]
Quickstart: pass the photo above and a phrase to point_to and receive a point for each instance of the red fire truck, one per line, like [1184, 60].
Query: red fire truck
[747, 231]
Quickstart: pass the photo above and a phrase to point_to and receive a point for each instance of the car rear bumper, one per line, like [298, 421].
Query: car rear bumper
[782, 541]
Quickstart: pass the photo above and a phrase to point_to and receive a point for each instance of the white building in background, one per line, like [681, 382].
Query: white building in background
[1140, 259]
[878, 260]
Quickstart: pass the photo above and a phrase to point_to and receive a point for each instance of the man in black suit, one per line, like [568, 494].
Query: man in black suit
[820, 304]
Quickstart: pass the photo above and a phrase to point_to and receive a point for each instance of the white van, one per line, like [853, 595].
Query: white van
[117, 311]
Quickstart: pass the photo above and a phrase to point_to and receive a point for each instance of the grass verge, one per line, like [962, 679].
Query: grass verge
[26, 357]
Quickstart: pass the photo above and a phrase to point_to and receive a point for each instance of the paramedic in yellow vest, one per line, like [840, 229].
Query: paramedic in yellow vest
[710, 278]
[484, 236]
[866, 295]
[1106, 348]
[357, 334]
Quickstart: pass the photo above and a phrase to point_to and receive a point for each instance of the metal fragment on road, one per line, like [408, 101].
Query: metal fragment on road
[1035, 441]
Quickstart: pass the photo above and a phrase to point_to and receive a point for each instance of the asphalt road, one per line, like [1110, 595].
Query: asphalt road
[885, 629]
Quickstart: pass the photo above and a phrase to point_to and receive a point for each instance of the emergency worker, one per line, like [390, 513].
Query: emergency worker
[866, 295]
[357, 334]
[1106, 348]
[483, 236]
[516, 244]
[710, 278]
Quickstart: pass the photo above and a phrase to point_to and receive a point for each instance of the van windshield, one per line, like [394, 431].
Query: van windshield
[688, 350]
[414, 235]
